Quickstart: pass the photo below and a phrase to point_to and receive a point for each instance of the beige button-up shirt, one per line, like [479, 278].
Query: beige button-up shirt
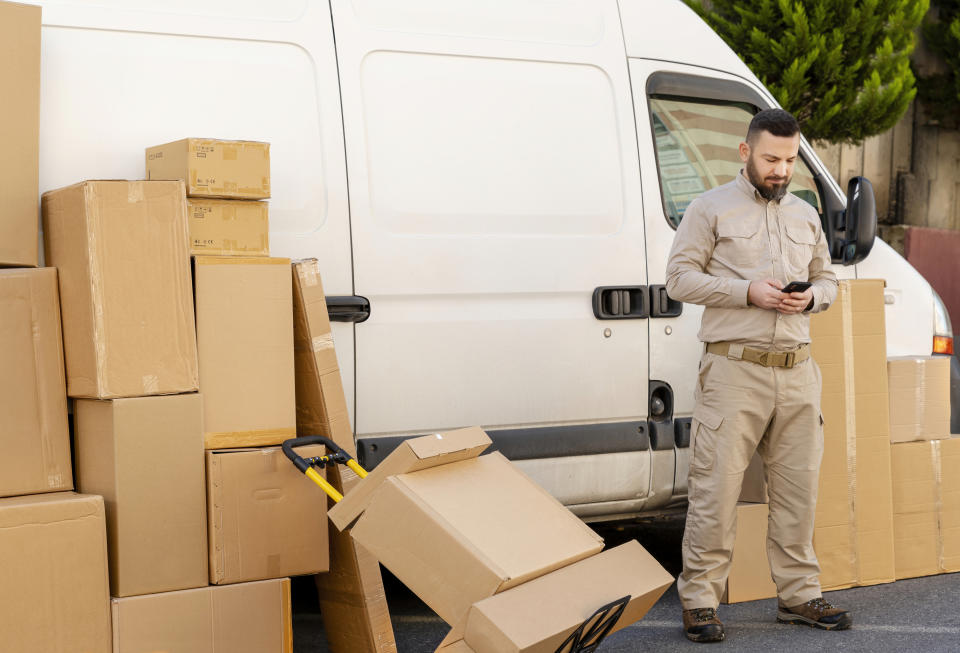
[730, 236]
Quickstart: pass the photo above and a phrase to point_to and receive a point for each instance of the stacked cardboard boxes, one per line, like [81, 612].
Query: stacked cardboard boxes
[53, 541]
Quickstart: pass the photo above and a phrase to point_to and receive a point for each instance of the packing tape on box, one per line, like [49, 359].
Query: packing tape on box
[322, 342]
[851, 422]
[938, 499]
[134, 192]
[151, 384]
[309, 272]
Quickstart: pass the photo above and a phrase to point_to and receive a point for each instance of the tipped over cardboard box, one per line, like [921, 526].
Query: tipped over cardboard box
[245, 342]
[214, 168]
[121, 251]
[457, 527]
[228, 227]
[55, 595]
[242, 618]
[266, 520]
[34, 436]
[919, 397]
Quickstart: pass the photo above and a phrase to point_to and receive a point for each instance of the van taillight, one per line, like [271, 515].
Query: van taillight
[942, 345]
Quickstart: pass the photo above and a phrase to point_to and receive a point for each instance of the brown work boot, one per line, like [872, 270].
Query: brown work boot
[817, 613]
[702, 625]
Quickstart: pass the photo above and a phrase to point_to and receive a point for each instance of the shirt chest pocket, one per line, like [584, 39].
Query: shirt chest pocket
[799, 246]
[741, 241]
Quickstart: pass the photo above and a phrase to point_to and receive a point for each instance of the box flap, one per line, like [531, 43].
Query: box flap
[412, 455]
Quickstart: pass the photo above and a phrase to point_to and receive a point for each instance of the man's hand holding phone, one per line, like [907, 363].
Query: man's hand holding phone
[772, 295]
[795, 298]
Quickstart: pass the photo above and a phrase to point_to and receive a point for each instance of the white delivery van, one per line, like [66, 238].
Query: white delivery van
[491, 188]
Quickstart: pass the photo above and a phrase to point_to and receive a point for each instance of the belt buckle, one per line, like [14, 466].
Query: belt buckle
[791, 357]
[764, 358]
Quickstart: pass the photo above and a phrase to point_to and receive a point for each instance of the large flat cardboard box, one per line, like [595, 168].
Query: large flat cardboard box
[457, 527]
[19, 133]
[749, 578]
[121, 250]
[539, 616]
[266, 519]
[54, 574]
[214, 168]
[321, 403]
[145, 457]
[919, 397]
[243, 618]
[34, 436]
[245, 342]
[853, 534]
[926, 507]
[228, 227]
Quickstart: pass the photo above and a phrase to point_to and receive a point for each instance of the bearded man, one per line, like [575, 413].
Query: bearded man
[737, 248]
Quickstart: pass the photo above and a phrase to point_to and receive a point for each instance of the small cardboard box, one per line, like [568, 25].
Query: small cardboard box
[228, 227]
[266, 520]
[34, 436]
[214, 168]
[919, 389]
[145, 457]
[853, 534]
[121, 251]
[243, 618]
[456, 527]
[321, 404]
[19, 133]
[749, 578]
[540, 615]
[245, 341]
[54, 574]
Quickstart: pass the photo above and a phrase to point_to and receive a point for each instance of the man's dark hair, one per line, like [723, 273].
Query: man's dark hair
[776, 121]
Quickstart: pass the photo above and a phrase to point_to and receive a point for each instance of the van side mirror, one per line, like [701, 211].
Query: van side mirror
[858, 224]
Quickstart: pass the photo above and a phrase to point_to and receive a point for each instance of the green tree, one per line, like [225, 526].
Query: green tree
[940, 92]
[842, 67]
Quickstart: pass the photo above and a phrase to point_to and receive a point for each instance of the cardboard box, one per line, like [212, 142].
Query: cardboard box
[749, 578]
[321, 403]
[266, 520]
[456, 527]
[926, 478]
[228, 227]
[214, 168]
[34, 436]
[121, 251]
[538, 616]
[19, 133]
[853, 535]
[54, 575]
[244, 618]
[145, 457]
[245, 343]
[754, 488]
[919, 397]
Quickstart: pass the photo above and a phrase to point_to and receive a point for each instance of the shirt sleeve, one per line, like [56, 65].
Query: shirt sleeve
[824, 280]
[687, 280]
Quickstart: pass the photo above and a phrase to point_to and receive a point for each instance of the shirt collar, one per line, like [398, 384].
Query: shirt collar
[748, 188]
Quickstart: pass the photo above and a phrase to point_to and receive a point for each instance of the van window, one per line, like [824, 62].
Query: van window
[696, 145]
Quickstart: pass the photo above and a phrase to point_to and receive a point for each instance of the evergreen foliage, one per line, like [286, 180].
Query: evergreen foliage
[842, 67]
[940, 93]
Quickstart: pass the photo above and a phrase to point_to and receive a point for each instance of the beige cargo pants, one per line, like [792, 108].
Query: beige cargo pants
[742, 407]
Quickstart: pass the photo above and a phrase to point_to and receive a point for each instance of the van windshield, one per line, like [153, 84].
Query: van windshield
[696, 145]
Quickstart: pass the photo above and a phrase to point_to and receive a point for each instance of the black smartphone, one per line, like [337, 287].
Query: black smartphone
[796, 286]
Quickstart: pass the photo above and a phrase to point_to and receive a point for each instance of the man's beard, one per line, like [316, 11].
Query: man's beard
[773, 192]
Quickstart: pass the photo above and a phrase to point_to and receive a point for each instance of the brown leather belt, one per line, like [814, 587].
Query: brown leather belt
[760, 356]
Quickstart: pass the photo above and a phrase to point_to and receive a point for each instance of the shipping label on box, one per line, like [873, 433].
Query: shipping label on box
[34, 436]
[19, 133]
[265, 519]
[245, 341]
[55, 593]
[242, 618]
[228, 227]
[145, 457]
[121, 250]
[214, 168]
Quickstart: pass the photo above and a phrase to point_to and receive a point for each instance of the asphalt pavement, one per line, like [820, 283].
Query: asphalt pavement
[921, 614]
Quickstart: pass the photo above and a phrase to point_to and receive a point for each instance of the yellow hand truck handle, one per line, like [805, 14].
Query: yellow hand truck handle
[306, 465]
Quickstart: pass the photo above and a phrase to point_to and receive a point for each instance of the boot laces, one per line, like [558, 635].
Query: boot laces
[704, 614]
[821, 605]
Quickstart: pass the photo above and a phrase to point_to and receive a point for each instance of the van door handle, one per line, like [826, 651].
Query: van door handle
[662, 304]
[350, 308]
[620, 302]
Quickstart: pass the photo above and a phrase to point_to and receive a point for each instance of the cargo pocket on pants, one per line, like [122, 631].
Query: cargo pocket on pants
[704, 437]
